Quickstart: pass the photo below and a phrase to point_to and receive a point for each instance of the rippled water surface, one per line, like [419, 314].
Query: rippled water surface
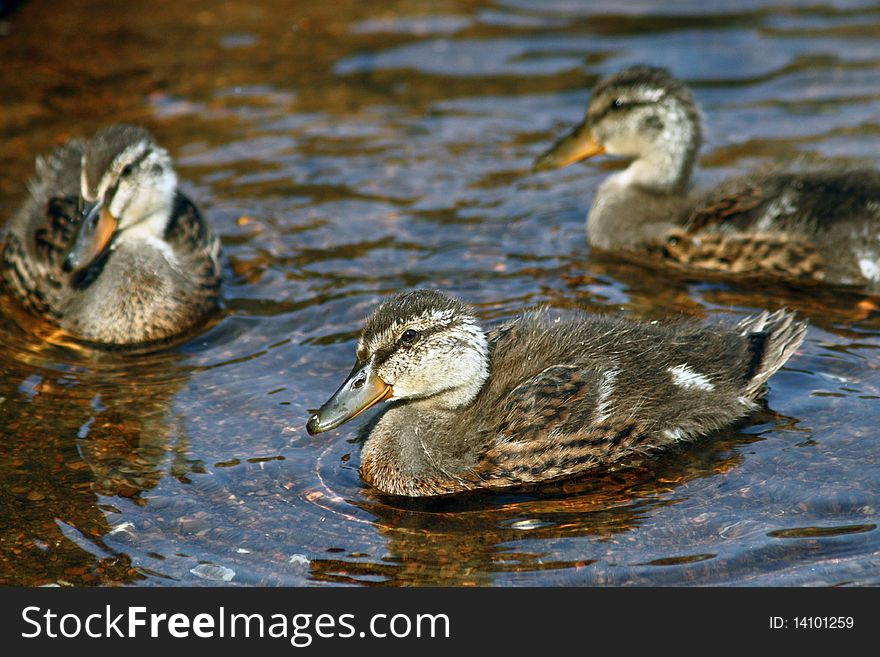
[345, 150]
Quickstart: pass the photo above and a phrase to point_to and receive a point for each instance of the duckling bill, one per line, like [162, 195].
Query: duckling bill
[96, 230]
[817, 224]
[543, 396]
[107, 247]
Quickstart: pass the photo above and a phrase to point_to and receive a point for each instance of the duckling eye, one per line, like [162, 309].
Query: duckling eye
[618, 103]
[409, 335]
[127, 170]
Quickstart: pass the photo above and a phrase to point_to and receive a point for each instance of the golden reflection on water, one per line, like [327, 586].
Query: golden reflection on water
[75, 438]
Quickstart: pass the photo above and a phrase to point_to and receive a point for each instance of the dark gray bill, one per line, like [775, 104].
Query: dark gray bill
[363, 389]
[96, 229]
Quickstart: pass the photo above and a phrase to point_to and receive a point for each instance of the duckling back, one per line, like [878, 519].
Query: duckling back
[600, 389]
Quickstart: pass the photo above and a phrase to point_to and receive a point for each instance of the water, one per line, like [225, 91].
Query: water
[347, 150]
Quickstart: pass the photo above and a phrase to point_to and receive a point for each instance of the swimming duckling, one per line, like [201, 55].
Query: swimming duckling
[543, 396]
[815, 225]
[107, 247]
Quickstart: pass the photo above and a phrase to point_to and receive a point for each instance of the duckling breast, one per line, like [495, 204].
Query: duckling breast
[142, 294]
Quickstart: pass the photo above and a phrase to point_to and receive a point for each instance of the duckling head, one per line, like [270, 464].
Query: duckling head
[642, 113]
[127, 190]
[421, 346]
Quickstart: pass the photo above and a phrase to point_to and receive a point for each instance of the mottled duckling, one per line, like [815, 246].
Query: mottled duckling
[819, 225]
[543, 396]
[107, 247]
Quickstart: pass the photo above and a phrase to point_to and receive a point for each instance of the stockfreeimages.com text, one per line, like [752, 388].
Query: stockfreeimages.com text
[300, 629]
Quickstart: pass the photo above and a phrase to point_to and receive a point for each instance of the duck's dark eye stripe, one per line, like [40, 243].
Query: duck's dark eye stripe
[129, 168]
[620, 104]
[384, 353]
[617, 105]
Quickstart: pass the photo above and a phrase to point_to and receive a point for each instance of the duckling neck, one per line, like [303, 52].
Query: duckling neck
[148, 229]
[667, 168]
[448, 400]
[416, 449]
[418, 446]
[643, 202]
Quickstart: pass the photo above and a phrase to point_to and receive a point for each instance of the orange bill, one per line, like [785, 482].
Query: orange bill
[577, 145]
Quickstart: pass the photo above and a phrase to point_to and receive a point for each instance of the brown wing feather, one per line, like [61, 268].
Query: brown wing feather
[725, 208]
[20, 278]
[36, 240]
[32, 262]
[189, 234]
[746, 253]
[719, 235]
[546, 431]
[52, 239]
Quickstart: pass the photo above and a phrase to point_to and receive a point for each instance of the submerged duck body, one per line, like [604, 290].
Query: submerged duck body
[543, 396]
[818, 224]
[107, 247]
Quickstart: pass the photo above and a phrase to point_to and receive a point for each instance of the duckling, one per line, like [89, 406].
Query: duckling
[541, 397]
[106, 246]
[811, 225]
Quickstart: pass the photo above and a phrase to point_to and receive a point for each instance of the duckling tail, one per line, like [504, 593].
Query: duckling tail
[773, 338]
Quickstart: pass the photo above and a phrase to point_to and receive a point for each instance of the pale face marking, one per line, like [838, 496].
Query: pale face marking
[84, 183]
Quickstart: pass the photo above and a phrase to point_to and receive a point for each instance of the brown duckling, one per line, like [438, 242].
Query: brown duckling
[816, 225]
[544, 396]
[107, 247]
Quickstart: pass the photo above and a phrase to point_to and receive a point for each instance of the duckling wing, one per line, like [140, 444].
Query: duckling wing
[724, 207]
[187, 229]
[774, 253]
[32, 261]
[789, 200]
[547, 428]
[749, 226]
[34, 243]
[48, 215]
[802, 224]
[193, 240]
[545, 402]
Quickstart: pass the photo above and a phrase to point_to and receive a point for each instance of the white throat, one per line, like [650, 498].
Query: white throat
[148, 234]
